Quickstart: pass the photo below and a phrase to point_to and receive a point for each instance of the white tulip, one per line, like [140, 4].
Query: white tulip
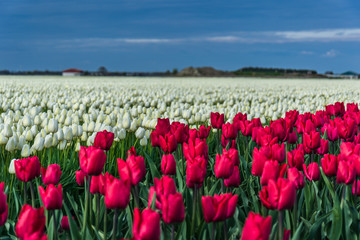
[48, 141]
[122, 134]
[12, 166]
[143, 141]
[68, 135]
[11, 144]
[25, 151]
[53, 125]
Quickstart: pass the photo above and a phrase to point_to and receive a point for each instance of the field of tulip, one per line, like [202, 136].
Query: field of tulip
[146, 158]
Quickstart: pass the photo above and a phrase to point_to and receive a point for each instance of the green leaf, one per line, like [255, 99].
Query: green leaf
[298, 235]
[336, 226]
[74, 231]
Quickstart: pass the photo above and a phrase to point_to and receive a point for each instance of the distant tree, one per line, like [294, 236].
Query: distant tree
[329, 73]
[175, 71]
[102, 71]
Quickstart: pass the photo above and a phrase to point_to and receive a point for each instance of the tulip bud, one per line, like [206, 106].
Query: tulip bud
[256, 227]
[12, 166]
[31, 221]
[26, 121]
[7, 131]
[68, 135]
[146, 224]
[143, 141]
[25, 151]
[122, 134]
[10, 145]
[140, 133]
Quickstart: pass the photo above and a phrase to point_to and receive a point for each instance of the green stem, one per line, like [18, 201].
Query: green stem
[24, 186]
[218, 141]
[280, 224]
[213, 231]
[87, 195]
[225, 230]
[97, 211]
[105, 224]
[295, 213]
[172, 231]
[55, 225]
[32, 194]
[194, 210]
[222, 185]
[115, 223]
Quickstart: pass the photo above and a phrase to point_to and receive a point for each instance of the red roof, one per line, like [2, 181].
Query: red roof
[72, 70]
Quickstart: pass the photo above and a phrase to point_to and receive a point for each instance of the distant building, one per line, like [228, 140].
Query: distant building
[72, 72]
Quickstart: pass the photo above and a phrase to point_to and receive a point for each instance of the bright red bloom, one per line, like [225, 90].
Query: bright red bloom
[229, 131]
[234, 179]
[295, 176]
[98, 184]
[146, 224]
[259, 159]
[271, 171]
[264, 197]
[168, 143]
[92, 160]
[295, 158]
[331, 131]
[311, 140]
[3, 205]
[162, 126]
[282, 193]
[219, 207]
[324, 147]
[65, 223]
[309, 126]
[292, 138]
[195, 148]
[224, 166]
[246, 127]
[278, 152]
[256, 227]
[217, 120]
[80, 177]
[52, 197]
[31, 220]
[163, 187]
[51, 174]
[180, 131]
[117, 193]
[195, 171]
[312, 172]
[346, 128]
[280, 129]
[132, 170]
[329, 165]
[36, 236]
[155, 142]
[173, 209]
[203, 131]
[104, 140]
[27, 169]
[345, 173]
[168, 165]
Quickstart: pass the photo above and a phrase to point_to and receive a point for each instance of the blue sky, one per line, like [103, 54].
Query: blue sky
[156, 35]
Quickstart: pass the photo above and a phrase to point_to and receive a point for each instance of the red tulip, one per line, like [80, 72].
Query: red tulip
[31, 220]
[98, 184]
[329, 165]
[217, 120]
[292, 138]
[264, 197]
[259, 159]
[137, 168]
[27, 169]
[295, 176]
[163, 187]
[309, 126]
[52, 198]
[312, 172]
[233, 154]
[173, 209]
[180, 131]
[324, 147]
[36, 236]
[312, 140]
[295, 158]
[195, 171]
[203, 131]
[227, 142]
[282, 193]
[331, 131]
[278, 152]
[168, 143]
[286, 234]
[224, 166]
[168, 165]
[234, 179]
[346, 128]
[65, 223]
[80, 177]
[146, 224]
[92, 160]
[280, 129]
[239, 117]
[246, 127]
[3, 205]
[163, 126]
[345, 173]
[104, 140]
[51, 174]
[256, 227]
[271, 171]
[219, 207]
[352, 107]
[117, 193]
[357, 191]
[229, 131]
[155, 142]
[194, 148]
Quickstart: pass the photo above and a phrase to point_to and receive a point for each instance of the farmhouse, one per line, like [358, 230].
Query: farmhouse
[72, 72]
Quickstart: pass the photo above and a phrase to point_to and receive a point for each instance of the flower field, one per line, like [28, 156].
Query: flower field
[179, 158]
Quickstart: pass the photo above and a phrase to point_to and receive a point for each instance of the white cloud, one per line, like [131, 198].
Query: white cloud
[331, 53]
[321, 35]
[306, 53]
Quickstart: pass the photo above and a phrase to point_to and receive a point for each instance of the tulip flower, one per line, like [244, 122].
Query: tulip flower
[52, 197]
[133, 169]
[259, 159]
[194, 148]
[104, 140]
[27, 169]
[219, 207]
[168, 165]
[295, 158]
[282, 193]
[329, 165]
[195, 172]
[92, 160]
[312, 140]
[271, 171]
[203, 131]
[3, 205]
[292, 138]
[51, 174]
[278, 152]
[280, 129]
[246, 127]
[264, 197]
[295, 176]
[117, 193]
[224, 166]
[65, 223]
[80, 177]
[168, 143]
[234, 179]
[163, 187]
[180, 131]
[163, 126]
[31, 220]
[154, 136]
[346, 128]
[312, 172]
[173, 209]
[217, 120]
[345, 173]
[256, 227]
[324, 147]
[146, 224]
[36, 236]
[229, 131]
[98, 183]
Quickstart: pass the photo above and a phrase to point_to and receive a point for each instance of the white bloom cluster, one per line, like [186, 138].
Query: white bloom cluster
[44, 112]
